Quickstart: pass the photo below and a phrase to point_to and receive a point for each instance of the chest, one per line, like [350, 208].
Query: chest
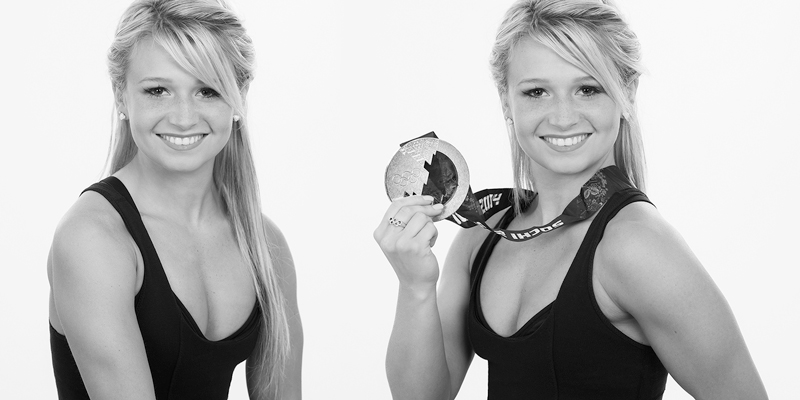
[207, 273]
[521, 279]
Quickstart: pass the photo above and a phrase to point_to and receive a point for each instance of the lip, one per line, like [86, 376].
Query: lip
[181, 147]
[566, 148]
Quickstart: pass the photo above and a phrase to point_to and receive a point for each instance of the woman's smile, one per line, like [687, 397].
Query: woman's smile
[566, 143]
[182, 143]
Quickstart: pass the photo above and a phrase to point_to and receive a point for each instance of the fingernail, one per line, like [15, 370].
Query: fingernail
[438, 206]
[428, 198]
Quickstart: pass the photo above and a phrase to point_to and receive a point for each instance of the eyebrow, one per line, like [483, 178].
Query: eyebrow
[166, 80]
[155, 79]
[539, 80]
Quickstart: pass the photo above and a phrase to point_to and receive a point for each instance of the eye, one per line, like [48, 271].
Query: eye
[208, 93]
[535, 92]
[157, 91]
[589, 91]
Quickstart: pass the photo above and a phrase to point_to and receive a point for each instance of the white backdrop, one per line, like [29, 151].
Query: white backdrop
[340, 84]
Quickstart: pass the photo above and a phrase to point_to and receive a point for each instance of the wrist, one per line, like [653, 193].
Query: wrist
[417, 292]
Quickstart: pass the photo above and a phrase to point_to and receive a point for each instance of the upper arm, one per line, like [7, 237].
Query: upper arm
[93, 278]
[650, 273]
[453, 300]
[283, 264]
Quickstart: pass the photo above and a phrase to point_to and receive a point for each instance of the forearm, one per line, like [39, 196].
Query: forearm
[416, 362]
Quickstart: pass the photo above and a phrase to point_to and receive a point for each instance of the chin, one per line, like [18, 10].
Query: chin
[570, 167]
[186, 166]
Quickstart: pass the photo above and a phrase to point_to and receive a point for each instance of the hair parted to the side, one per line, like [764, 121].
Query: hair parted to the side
[208, 40]
[592, 35]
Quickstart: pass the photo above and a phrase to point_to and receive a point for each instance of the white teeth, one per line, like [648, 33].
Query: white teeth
[565, 142]
[182, 141]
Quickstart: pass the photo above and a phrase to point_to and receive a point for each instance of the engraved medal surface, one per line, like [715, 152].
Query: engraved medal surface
[429, 166]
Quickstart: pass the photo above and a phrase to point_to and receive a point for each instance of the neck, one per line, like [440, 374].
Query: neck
[555, 191]
[186, 197]
[553, 196]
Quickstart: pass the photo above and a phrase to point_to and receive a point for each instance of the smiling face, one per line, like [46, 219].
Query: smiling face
[564, 120]
[178, 123]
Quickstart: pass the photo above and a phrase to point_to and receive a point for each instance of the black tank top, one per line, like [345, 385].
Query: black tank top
[183, 363]
[569, 350]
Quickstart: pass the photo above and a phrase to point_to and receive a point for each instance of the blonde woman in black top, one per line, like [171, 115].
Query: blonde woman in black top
[166, 275]
[567, 73]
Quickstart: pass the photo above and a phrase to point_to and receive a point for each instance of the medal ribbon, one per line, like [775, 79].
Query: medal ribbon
[479, 207]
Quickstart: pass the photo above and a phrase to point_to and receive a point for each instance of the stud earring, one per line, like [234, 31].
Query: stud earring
[510, 127]
[122, 116]
[236, 118]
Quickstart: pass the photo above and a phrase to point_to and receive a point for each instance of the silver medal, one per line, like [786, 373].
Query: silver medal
[410, 168]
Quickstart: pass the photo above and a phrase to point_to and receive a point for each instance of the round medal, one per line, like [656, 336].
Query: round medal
[429, 166]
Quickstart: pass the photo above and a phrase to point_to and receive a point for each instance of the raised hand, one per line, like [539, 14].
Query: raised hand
[406, 235]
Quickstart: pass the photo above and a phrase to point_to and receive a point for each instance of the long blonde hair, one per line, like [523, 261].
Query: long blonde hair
[208, 40]
[591, 35]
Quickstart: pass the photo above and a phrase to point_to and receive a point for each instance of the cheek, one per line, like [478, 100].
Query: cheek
[144, 115]
[528, 115]
[605, 117]
[142, 123]
[220, 120]
[524, 138]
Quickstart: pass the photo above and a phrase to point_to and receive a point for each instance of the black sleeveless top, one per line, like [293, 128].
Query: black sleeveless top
[183, 363]
[569, 350]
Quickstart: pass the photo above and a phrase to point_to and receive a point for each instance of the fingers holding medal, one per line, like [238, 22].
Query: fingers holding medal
[409, 215]
[406, 234]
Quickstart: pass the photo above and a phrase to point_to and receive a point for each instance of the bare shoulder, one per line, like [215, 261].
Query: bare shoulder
[91, 228]
[642, 256]
[278, 248]
[274, 233]
[638, 233]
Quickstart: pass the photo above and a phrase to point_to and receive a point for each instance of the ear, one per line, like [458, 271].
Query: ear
[119, 101]
[504, 105]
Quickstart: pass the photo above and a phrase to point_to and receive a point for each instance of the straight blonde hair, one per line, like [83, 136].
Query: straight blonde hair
[592, 35]
[208, 40]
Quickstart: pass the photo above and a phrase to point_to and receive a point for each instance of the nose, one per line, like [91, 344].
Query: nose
[183, 113]
[564, 114]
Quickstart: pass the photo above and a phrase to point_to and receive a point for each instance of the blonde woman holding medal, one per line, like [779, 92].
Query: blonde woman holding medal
[165, 275]
[602, 307]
